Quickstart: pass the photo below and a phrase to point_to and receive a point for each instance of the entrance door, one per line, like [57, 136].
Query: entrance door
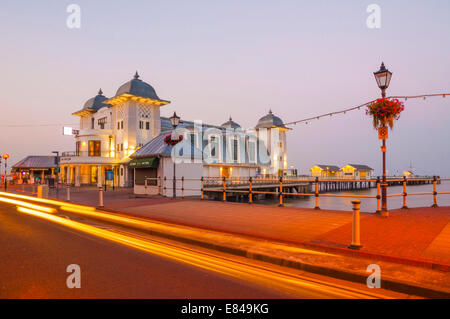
[94, 174]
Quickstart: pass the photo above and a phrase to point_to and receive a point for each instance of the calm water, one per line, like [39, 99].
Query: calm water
[370, 204]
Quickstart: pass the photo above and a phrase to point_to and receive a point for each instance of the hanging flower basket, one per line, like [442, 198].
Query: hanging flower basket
[169, 141]
[384, 112]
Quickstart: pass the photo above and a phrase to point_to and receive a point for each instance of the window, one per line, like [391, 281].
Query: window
[251, 152]
[77, 148]
[94, 148]
[118, 125]
[213, 146]
[92, 123]
[121, 171]
[147, 126]
[121, 125]
[101, 122]
[141, 125]
[121, 146]
[235, 150]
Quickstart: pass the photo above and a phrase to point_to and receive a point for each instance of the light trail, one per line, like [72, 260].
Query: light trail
[187, 232]
[47, 201]
[293, 284]
[22, 203]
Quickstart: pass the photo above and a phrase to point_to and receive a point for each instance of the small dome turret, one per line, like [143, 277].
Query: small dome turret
[269, 121]
[231, 124]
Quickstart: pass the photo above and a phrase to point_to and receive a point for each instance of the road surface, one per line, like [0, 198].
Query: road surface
[36, 247]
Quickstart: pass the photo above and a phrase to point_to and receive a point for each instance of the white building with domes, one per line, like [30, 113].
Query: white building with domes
[121, 142]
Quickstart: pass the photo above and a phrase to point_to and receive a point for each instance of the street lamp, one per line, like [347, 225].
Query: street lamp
[57, 172]
[6, 156]
[174, 120]
[383, 78]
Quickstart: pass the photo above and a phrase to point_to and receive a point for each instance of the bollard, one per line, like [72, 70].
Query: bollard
[250, 194]
[435, 205]
[317, 194]
[378, 195]
[356, 244]
[404, 193]
[39, 192]
[281, 192]
[145, 185]
[224, 198]
[201, 188]
[68, 193]
[100, 196]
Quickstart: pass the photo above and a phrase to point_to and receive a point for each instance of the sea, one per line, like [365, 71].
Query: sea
[369, 205]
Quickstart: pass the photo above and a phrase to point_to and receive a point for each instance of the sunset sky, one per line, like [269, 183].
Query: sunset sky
[216, 59]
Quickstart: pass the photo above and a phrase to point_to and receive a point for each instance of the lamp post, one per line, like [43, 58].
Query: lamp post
[383, 78]
[6, 156]
[174, 120]
[57, 172]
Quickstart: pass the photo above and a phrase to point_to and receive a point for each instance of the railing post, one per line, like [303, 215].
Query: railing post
[250, 191]
[281, 191]
[145, 185]
[224, 198]
[356, 244]
[201, 185]
[100, 196]
[435, 205]
[164, 186]
[378, 195]
[405, 194]
[182, 186]
[317, 194]
[68, 192]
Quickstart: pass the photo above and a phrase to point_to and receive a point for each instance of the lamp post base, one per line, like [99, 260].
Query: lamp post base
[355, 247]
[384, 214]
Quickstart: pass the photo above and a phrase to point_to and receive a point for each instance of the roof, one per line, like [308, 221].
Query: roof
[36, 162]
[361, 167]
[328, 167]
[231, 124]
[166, 126]
[138, 89]
[158, 148]
[270, 120]
[93, 104]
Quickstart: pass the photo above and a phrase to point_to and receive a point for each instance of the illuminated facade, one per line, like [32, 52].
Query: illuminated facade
[111, 129]
[117, 134]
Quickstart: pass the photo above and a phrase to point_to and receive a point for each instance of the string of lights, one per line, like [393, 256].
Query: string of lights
[405, 97]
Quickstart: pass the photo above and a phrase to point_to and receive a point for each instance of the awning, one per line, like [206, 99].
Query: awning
[144, 162]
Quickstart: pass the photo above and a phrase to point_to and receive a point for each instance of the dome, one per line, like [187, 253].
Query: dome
[269, 121]
[139, 88]
[96, 102]
[231, 124]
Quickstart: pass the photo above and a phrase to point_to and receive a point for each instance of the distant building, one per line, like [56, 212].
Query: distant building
[325, 171]
[34, 168]
[356, 171]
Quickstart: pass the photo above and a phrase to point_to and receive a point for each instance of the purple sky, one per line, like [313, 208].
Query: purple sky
[214, 59]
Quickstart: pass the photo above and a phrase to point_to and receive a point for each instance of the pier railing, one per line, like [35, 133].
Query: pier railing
[283, 187]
